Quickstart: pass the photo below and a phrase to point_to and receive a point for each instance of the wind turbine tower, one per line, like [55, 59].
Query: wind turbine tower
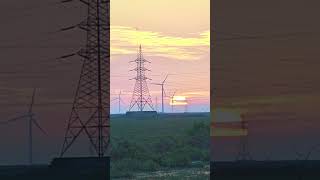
[162, 92]
[31, 122]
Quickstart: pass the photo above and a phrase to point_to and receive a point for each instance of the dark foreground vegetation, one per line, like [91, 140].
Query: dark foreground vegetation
[284, 170]
[83, 168]
[44, 172]
[164, 144]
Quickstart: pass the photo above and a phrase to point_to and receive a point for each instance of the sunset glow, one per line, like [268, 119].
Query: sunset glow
[175, 38]
[178, 101]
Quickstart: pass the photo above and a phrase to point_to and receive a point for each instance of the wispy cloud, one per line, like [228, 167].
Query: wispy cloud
[124, 41]
[197, 94]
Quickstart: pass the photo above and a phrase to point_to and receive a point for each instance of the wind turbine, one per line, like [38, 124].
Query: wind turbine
[156, 103]
[162, 90]
[119, 101]
[31, 122]
[186, 106]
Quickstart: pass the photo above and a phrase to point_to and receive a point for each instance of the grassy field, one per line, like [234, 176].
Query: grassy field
[167, 147]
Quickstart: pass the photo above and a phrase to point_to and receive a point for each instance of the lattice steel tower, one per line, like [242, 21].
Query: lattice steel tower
[90, 112]
[141, 97]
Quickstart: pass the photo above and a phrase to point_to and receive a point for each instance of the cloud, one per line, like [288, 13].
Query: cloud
[197, 94]
[124, 41]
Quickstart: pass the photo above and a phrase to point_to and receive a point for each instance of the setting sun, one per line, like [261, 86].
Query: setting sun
[178, 101]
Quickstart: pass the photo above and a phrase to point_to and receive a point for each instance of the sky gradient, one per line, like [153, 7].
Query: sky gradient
[265, 67]
[175, 37]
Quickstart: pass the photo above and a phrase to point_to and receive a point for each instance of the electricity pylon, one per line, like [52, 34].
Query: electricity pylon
[140, 96]
[119, 101]
[90, 112]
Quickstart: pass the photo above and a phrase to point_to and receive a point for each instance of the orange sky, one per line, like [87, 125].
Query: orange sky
[175, 37]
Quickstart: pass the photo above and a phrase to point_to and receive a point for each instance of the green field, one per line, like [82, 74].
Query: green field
[167, 147]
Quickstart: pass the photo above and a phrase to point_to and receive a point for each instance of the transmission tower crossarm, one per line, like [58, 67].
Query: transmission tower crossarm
[141, 60]
[83, 25]
[140, 69]
[68, 28]
[85, 2]
[83, 53]
[156, 84]
[66, 56]
[67, 1]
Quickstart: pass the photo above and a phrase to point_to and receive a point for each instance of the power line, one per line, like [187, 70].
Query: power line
[183, 84]
[37, 6]
[25, 10]
[269, 36]
[37, 104]
[33, 39]
[171, 74]
[37, 62]
[53, 64]
[36, 47]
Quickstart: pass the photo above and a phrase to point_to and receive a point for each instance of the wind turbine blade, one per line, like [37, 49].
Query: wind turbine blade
[32, 100]
[165, 79]
[114, 99]
[122, 101]
[174, 93]
[15, 119]
[39, 127]
[65, 1]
